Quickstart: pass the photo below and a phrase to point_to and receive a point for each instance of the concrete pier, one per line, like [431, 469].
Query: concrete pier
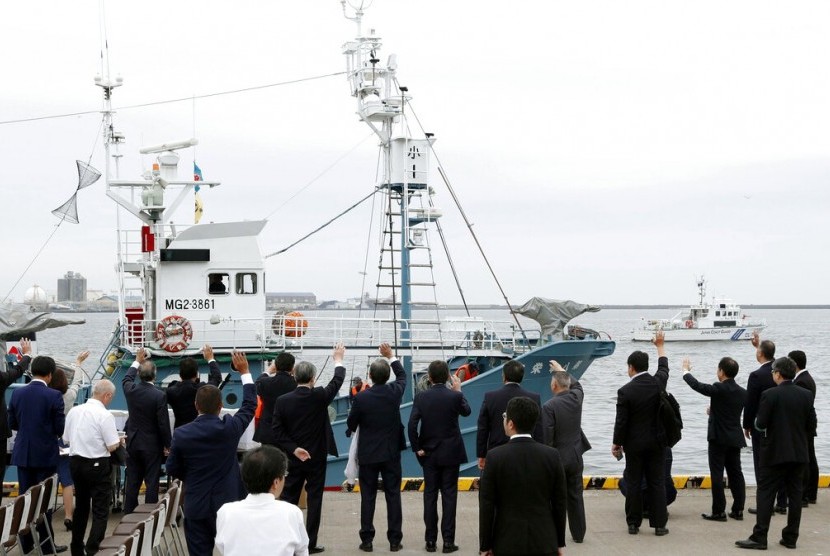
[607, 533]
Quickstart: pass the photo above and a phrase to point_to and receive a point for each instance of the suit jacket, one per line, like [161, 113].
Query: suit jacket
[269, 388]
[377, 411]
[437, 410]
[301, 419]
[7, 378]
[787, 418]
[203, 456]
[181, 396]
[148, 426]
[562, 424]
[36, 413]
[522, 499]
[728, 400]
[759, 380]
[635, 427]
[805, 380]
[491, 423]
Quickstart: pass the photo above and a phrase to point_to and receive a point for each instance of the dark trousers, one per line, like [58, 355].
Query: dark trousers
[575, 504]
[728, 457]
[314, 477]
[93, 490]
[27, 477]
[390, 472]
[811, 473]
[651, 465]
[756, 455]
[443, 478]
[792, 475]
[142, 466]
[200, 535]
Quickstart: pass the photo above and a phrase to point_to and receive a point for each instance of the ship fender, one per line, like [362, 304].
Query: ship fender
[174, 333]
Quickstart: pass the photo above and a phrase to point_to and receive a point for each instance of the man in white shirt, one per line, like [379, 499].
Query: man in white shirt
[261, 523]
[91, 434]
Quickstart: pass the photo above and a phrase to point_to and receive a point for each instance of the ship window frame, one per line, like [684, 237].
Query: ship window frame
[240, 284]
[226, 281]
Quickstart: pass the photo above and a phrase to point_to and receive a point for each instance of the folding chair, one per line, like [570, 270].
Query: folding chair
[178, 512]
[159, 517]
[20, 508]
[129, 547]
[140, 531]
[49, 486]
[27, 523]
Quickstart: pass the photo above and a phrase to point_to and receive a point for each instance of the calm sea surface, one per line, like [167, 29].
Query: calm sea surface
[805, 329]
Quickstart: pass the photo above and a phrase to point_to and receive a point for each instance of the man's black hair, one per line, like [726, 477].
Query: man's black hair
[261, 467]
[524, 413]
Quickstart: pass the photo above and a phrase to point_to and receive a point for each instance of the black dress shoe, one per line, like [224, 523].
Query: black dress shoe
[714, 517]
[431, 546]
[633, 529]
[579, 541]
[753, 511]
[316, 549]
[805, 503]
[737, 516]
[750, 544]
[660, 531]
[366, 546]
[449, 547]
[788, 544]
[63, 548]
[781, 510]
[395, 547]
[68, 524]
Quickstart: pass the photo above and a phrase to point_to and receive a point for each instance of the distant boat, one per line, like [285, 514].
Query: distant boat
[721, 319]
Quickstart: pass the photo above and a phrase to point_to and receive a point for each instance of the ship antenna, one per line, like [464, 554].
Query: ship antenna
[359, 7]
[701, 289]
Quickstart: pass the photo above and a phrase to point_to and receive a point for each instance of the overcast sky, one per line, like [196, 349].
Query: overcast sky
[607, 152]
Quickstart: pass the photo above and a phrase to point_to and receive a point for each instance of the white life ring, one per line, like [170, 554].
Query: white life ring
[174, 333]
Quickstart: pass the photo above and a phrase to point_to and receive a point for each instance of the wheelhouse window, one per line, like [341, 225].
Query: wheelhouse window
[246, 283]
[218, 283]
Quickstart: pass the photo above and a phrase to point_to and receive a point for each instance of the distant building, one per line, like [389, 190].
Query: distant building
[72, 287]
[290, 300]
[36, 297]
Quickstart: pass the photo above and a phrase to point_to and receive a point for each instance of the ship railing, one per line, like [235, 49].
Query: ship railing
[279, 331]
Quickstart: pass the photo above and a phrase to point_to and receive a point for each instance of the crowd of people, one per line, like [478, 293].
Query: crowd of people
[529, 453]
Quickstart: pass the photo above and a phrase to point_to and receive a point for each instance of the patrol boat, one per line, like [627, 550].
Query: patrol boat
[182, 287]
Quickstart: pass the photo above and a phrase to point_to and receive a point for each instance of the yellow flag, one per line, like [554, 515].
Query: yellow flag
[197, 215]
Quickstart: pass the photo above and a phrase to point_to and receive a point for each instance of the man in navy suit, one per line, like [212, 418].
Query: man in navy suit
[804, 379]
[490, 423]
[181, 395]
[269, 388]
[303, 431]
[440, 450]
[724, 435]
[377, 411]
[148, 432]
[203, 456]
[7, 378]
[36, 413]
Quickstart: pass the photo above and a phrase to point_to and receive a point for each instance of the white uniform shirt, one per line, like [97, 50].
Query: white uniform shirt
[261, 525]
[89, 429]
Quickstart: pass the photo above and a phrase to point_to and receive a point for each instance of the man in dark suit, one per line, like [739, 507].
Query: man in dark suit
[302, 430]
[522, 491]
[148, 432]
[760, 380]
[804, 379]
[10, 375]
[36, 413]
[724, 435]
[562, 425]
[440, 450]
[786, 419]
[635, 434]
[181, 396]
[269, 388]
[377, 411]
[490, 423]
[203, 455]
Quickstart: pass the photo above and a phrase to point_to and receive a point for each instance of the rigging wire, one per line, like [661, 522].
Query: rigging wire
[311, 233]
[170, 101]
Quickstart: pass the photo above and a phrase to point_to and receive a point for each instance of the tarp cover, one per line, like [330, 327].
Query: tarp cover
[553, 314]
[18, 320]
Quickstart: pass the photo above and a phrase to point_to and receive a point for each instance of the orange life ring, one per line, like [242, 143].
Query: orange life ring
[290, 324]
[174, 333]
[689, 323]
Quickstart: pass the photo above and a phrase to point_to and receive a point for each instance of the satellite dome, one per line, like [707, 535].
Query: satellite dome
[35, 296]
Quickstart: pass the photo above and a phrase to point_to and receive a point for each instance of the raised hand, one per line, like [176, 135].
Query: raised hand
[339, 354]
[81, 357]
[26, 346]
[556, 367]
[386, 350]
[207, 352]
[240, 362]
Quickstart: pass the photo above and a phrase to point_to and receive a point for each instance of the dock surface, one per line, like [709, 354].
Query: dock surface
[607, 533]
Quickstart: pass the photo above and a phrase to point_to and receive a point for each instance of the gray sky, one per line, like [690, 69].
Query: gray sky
[607, 152]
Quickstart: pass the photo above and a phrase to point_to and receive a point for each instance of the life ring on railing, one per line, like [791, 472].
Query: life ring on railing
[291, 325]
[690, 323]
[174, 333]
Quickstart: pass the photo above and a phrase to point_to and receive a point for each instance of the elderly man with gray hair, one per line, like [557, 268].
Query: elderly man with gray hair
[148, 431]
[91, 434]
[303, 431]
